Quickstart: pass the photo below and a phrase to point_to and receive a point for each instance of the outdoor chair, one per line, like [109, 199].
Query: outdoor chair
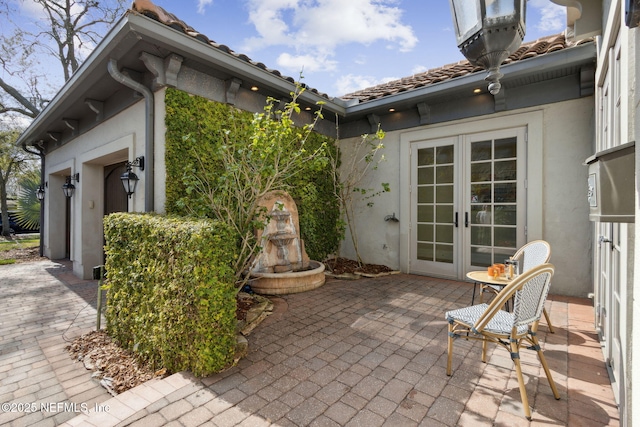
[490, 324]
[531, 255]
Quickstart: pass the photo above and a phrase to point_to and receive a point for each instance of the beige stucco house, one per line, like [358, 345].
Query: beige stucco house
[473, 176]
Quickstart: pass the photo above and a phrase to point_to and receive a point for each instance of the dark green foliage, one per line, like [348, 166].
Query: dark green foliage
[171, 296]
[28, 209]
[207, 125]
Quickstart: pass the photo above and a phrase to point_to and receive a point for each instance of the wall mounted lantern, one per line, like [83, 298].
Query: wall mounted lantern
[40, 193]
[487, 32]
[68, 188]
[130, 179]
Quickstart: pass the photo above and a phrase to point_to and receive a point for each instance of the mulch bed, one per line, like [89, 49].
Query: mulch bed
[117, 369]
[22, 255]
[348, 266]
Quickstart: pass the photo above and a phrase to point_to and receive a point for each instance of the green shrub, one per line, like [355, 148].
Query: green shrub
[171, 296]
[208, 126]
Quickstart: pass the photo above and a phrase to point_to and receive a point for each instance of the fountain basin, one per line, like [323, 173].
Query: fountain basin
[290, 282]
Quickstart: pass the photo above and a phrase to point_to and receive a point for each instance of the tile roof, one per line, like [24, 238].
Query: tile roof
[157, 13]
[528, 50]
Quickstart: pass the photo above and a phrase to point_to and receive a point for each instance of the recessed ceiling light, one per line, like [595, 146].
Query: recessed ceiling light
[307, 109]
[254, 88]
[391, 110]
[477, 90]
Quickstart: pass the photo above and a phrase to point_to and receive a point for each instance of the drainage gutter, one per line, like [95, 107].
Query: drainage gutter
[115, 73]
[39, 153]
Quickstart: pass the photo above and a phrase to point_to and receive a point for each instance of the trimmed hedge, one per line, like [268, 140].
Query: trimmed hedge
[171, 296]
[206, 122]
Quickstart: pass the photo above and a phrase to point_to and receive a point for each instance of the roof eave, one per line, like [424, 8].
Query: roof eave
[563, 58]
[67, 91]
[146, 28]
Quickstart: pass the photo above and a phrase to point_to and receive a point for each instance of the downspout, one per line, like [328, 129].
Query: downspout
[39, 153]
[149, 129]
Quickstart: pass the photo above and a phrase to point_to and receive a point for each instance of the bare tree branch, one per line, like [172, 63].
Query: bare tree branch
[67, 31]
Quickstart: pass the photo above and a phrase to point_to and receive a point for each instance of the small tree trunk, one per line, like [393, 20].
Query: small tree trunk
[4, 207]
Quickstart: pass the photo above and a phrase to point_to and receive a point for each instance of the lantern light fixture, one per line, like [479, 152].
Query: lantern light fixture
[487, 32]
[68, 188]
[40, 193]
[129, 178]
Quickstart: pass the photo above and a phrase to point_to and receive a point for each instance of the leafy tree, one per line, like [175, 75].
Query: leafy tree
[13, 160]
[28, 206]
[66, 30]
[364, 155]
[31, 31]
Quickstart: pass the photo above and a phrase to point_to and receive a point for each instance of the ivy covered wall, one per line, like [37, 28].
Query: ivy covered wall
[205, 122]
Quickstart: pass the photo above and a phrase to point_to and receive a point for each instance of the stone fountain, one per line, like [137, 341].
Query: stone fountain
[283, 266]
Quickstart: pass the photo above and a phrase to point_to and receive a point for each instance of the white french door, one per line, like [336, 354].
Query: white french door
[468, 201]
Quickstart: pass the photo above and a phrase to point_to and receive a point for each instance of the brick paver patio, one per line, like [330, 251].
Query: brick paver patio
[369, 353]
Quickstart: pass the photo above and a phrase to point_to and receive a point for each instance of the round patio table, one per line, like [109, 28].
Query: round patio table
[482, 278]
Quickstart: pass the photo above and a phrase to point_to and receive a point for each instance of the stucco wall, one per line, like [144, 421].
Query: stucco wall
[560, 139]
[120, 138]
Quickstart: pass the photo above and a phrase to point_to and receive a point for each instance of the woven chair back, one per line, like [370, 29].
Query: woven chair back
[533, 254]
[529, 300]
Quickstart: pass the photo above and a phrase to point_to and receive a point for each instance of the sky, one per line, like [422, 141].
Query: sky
[340, 46]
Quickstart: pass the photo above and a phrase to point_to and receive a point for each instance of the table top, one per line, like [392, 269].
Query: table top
[482, 276]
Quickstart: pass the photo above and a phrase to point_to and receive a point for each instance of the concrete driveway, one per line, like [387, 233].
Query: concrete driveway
[368, 353]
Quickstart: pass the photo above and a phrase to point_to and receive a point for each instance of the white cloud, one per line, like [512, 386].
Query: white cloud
[553, 16]
[202, 4]
[310, 63]
[350, 83]
[32, 9]
[418, 69]
[315, 28]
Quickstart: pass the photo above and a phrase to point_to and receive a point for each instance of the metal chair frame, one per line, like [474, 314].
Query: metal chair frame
[532, 254]
[490, 324]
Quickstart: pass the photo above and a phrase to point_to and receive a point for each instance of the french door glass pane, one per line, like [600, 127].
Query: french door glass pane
[481, 236]
[425, 194]
[505, 192]
[425, 175]
[480, 193]
[425, 213]
[506, 148]
[504, 237]
[425, 157]
[505, 170]
[481, 172]
[505, 215]
[425, 232]
[444, 194]
[481, 150]
[493, 186]
[435, 182]
[444, 154]
[444, 213]
[444, 233]
[481, 256]
[425, 251]
[444, 253]
[481, 214]
[444, 174]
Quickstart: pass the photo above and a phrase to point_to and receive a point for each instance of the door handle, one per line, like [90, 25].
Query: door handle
[466, 219]
[603, 239]
[455, 220]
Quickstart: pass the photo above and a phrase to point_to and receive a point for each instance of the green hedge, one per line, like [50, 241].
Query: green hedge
[205, 122]
[171, 297]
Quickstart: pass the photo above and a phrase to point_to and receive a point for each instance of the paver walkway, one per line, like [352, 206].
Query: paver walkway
[369, 353]
[39, 317]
